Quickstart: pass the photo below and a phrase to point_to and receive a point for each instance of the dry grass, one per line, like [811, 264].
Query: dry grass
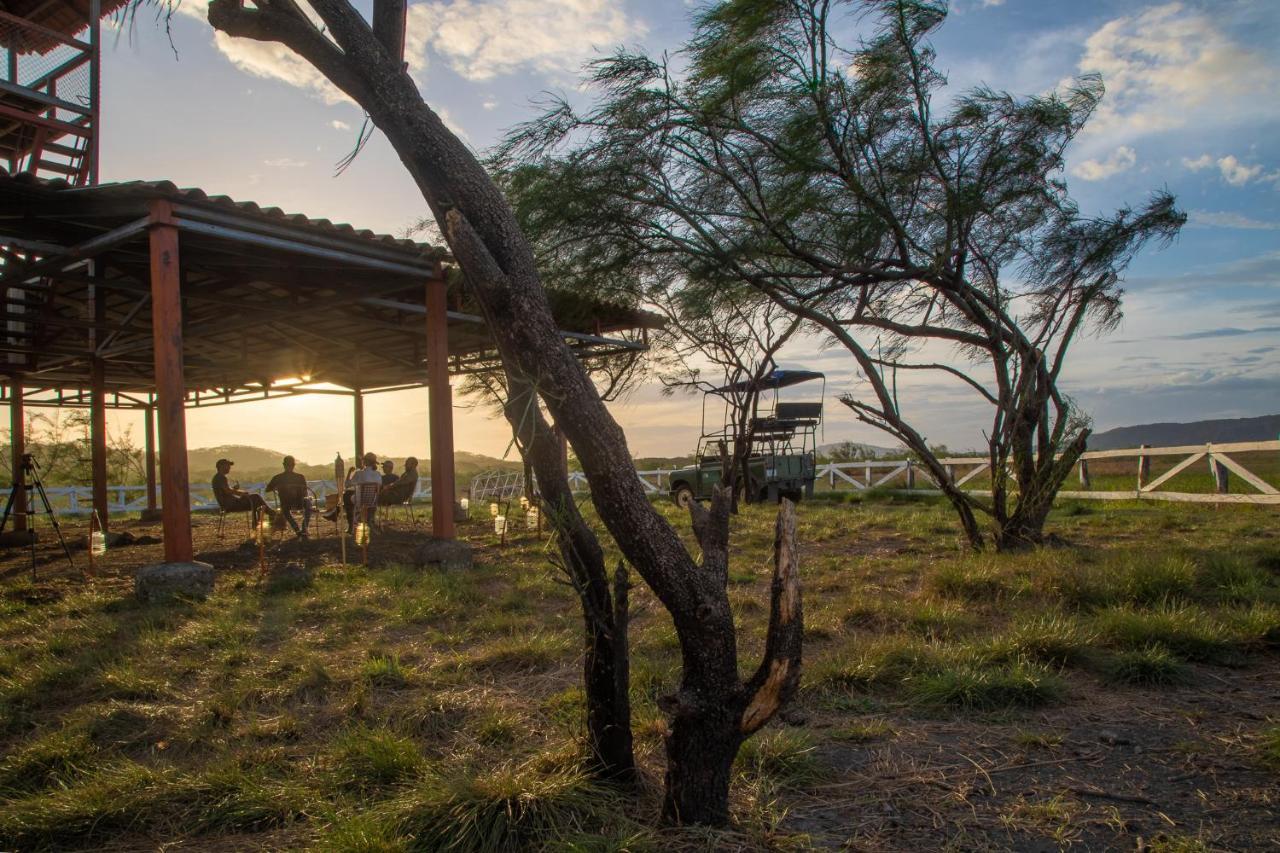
[386, 708]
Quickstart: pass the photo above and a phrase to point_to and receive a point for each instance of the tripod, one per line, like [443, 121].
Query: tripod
[32, 485]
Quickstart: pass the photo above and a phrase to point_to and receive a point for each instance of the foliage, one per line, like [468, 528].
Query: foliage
[811, 152]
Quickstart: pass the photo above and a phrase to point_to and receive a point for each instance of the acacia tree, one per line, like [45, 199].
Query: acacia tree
[921, 231]
[714, 708]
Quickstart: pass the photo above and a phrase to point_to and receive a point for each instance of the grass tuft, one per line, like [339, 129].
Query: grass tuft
[991, 687]
[1152, 666]
[782, 757]
[508, 808]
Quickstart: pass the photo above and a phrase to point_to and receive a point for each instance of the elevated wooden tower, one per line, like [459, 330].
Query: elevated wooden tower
[49, 86]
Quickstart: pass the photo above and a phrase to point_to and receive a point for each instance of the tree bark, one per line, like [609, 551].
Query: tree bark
[486, 241]
[606, 678]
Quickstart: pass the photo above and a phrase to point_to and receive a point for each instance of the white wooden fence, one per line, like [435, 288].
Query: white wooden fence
[968, 471]
[892, 474]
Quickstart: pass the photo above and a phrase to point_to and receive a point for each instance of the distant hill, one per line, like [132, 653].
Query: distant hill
[1265, 428]
[258, 464]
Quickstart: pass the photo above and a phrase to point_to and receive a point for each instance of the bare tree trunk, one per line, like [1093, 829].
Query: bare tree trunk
[487, 242]
[606, 676]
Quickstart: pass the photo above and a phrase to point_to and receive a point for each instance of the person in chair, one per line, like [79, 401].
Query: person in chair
[231, 498]
[291, 487]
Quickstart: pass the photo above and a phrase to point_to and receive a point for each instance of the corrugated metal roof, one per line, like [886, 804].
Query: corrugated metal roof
[68, 17]
[196, 197]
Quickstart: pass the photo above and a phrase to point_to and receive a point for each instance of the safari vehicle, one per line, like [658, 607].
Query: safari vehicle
[781, 436]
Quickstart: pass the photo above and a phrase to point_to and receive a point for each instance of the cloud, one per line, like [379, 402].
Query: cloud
[339, 124]
[1227, 219]
[1225, 332]
[272, 61]
[1255, 271]
[1120, 160]
[482, 39]
[1236, 173]
[1202, 162]
[1172, 66]
[285, 163]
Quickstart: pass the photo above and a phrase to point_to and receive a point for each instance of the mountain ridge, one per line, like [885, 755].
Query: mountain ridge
[1170, 433]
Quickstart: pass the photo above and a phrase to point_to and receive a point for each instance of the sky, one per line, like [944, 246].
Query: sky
[1191, 106]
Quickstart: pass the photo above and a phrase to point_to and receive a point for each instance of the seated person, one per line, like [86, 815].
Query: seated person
[366, 475]
[404, 486]
[292, 489]
[233, 498]
[388, 477]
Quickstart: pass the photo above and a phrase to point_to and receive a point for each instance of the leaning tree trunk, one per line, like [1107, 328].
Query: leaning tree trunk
[488, 244]
[1024, 527]
[605, 660]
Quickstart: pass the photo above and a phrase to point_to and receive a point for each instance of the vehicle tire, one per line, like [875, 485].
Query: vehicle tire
[683, 496]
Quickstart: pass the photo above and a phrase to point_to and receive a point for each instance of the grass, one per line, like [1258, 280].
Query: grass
[393, 709]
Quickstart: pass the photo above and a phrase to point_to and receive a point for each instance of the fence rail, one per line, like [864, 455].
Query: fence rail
[1109, 469]
[1095, 466]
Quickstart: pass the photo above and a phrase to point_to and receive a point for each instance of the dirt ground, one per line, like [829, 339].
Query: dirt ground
[229, 550]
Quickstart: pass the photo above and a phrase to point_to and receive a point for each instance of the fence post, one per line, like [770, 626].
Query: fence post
[1084, 474]
[951, 474]
[911, 475]
[868, 475]
[1144, 467]
[1220, 476]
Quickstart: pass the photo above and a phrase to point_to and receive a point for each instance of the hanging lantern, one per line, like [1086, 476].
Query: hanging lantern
[493, 510]
[499, 524]
[531, 519]
[97, 542]
[362, 533]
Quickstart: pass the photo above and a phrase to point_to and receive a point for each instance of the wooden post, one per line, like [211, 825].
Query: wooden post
[1084, 474]
[911, 475]
[357, 415]
[166, 328]
[149, 456]
[1220, 476]
[440, 405]
[98, 440]
[18, 446]
[1144, 467]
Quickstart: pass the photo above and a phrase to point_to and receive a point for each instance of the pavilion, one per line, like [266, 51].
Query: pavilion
[146, 296]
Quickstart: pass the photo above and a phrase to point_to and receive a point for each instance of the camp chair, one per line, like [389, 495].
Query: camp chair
[400, 494]
[365, 502]
[224, 511]
[291, 498]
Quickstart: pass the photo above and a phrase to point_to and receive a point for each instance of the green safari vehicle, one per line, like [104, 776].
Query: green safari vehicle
[782, 452]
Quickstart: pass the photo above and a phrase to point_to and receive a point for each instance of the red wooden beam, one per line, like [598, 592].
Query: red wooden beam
[149, 426]
[440, 406]
[166, 326]
[98, 438]
[98, 413]
[357, 417]
[18, 443]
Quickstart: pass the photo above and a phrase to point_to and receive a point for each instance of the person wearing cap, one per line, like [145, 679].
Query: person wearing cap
[388, 473]
[292, 489]
[367, 474]
[232, 498]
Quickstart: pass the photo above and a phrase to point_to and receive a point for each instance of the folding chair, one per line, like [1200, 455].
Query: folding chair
[364, 502]
[293, 498]
[223, 512]
[399, 494]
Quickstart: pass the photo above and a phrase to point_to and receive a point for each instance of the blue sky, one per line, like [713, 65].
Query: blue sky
[1191, 106]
